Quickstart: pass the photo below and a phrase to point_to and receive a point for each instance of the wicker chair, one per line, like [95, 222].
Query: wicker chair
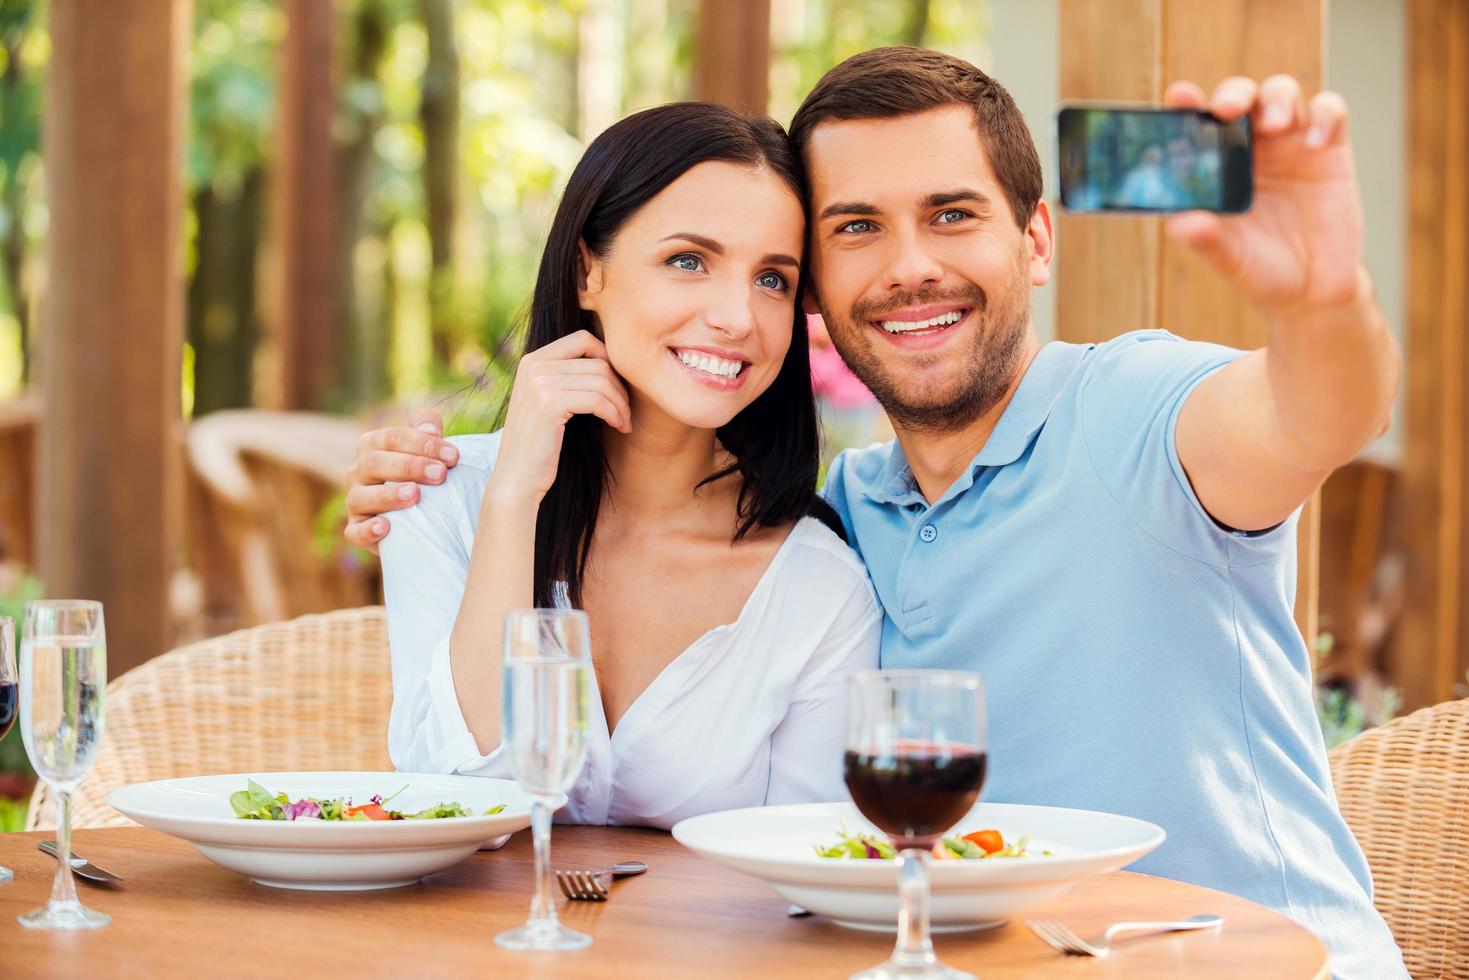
[1404, 789]
[311, 693]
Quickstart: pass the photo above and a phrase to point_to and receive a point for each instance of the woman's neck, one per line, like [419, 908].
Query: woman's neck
[656, 468]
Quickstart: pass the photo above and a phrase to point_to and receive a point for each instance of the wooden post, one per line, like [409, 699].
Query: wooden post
[309, 329]
[1119, 274]
[113, 313]
[1432, 650]
[732, 56]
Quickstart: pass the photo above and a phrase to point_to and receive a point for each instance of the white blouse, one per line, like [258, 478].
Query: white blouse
[751, 713]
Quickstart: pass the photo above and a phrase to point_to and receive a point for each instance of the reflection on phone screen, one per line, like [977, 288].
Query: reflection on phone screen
[1145, 160]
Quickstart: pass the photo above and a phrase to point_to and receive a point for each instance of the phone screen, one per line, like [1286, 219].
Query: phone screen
[1152, 160]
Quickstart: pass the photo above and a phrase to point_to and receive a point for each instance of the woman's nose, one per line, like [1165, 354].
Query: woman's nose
[733, 316]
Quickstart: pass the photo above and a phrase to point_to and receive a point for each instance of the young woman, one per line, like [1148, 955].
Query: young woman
[657, 468]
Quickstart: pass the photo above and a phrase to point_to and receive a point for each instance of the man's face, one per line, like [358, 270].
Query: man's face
[921, 273]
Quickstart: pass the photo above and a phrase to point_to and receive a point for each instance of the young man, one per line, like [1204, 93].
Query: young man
[1105, 532]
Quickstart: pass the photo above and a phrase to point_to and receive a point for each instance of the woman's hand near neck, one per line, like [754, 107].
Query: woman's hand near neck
[570, 376]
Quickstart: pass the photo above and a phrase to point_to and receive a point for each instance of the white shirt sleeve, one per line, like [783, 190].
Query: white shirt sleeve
[425, 562]
[806, 747]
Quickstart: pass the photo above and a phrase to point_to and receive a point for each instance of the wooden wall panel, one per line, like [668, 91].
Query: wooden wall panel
[1106, 267]
[1432, 649]
[112, 317]
[1116, 274]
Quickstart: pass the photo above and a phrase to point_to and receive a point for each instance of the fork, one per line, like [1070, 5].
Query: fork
[590, 885]
[1063, 939]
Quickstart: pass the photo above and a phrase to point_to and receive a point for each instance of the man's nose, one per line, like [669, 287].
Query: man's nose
[910, 266]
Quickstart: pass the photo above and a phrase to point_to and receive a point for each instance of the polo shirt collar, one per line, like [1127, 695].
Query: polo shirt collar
[1027, 412]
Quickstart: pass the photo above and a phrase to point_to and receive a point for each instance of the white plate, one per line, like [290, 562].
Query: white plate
[776, 843]
[323, 855]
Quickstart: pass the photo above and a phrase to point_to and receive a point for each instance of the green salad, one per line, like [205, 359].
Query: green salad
[255, 802]
[975, 846]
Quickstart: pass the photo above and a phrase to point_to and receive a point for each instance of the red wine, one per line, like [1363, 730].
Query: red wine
[9, 699]
[917, 792]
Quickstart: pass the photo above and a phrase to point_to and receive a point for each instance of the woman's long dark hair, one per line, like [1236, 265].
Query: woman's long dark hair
[774, 441]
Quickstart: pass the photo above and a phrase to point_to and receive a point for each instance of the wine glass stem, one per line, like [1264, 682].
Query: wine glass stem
[914, 946]
[64, 889]
[543, 908]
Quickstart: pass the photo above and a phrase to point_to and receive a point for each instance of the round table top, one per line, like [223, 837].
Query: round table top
[178, 914]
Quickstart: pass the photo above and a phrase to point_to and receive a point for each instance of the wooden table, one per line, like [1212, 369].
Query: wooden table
[178, 915]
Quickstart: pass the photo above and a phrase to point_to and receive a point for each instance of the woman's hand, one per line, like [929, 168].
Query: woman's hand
[570, 376]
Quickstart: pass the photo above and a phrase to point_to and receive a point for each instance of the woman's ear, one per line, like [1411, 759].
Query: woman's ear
[588, 276]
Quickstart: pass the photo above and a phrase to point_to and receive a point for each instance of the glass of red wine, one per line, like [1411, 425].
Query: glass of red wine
[9, 693]
[915, 764]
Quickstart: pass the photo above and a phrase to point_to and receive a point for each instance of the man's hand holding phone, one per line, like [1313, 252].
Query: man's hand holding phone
[1300, 247]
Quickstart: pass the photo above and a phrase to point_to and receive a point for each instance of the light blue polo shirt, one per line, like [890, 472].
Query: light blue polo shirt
[1138, 657]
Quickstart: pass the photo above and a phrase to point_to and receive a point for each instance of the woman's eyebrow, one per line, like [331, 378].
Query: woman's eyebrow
[699, 240]
[704, 242]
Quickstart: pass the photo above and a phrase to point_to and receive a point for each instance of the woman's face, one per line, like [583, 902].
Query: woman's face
[697, 295]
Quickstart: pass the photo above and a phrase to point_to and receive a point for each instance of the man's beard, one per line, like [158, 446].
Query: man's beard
[990, 363]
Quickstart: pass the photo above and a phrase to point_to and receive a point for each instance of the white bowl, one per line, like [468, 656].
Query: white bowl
[350, 855]
[777, 844]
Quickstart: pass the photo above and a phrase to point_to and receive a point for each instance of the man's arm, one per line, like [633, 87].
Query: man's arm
[390, 464]
[1260, 435]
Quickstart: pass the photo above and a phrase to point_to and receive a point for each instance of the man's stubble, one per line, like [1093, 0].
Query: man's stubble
[998, 344]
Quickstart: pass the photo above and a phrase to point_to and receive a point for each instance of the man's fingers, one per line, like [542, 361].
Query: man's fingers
[1233, 97]
[381, 466]
[1185, 95]
[427, 420]
[366, 534]
[1282, 107]
[1327, 114]
[412, 441]
[366, 502]
[1208, 233]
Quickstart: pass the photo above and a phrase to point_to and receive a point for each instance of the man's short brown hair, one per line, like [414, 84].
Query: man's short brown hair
[899, 81]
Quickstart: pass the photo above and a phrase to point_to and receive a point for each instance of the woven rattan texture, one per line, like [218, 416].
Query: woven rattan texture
[309, 694]
[1404, 789]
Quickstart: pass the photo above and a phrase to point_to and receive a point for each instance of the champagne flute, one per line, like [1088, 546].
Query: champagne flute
[915, 764]
[9, 693]
[63, 674]
[547, 686]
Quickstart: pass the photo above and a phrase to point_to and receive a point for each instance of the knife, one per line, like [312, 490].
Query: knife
[81, 867]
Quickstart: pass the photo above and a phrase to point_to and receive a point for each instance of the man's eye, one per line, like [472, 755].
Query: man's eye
[688, 262]
[855, 228]
[952, 215]
[772, 280]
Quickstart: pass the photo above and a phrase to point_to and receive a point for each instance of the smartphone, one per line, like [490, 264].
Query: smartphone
[1129, 159]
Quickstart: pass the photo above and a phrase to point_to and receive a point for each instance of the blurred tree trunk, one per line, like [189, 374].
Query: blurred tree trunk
[915, 24]
[112, 320]
[364, 326]
[438, 113]
[222, 324]
[305, 214]
[732, 54]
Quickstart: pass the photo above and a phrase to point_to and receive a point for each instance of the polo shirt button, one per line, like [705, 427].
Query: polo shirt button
[928, 532]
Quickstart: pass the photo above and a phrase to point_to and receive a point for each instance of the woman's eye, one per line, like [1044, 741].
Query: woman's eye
[687, 262]
[952, 215]
[771, 280]
[855, 228]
